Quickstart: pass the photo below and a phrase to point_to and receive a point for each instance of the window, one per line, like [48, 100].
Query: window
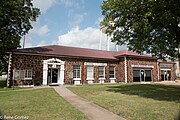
[90, 73]
[112, 72]
[101, 72]
[23, 74]
[28, 74]
[76, 71]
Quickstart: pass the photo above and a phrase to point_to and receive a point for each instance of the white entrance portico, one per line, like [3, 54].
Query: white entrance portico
[53, 71]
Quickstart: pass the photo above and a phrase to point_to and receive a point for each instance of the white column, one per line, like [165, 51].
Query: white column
[61, 75]
[9, 65]
[125, 69]
[45, 72]
[158, 71]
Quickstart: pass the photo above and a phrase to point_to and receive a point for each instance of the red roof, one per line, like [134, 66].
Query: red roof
[65, 51]
[132, 54]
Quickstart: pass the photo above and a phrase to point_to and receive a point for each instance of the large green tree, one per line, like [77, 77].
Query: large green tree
[16, 17]
[144, 25]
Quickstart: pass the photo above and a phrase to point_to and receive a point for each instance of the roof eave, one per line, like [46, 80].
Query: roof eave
[82, 57]
[145, 57]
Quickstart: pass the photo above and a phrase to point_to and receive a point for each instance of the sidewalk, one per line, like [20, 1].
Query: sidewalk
[93, 111]
[169, 83]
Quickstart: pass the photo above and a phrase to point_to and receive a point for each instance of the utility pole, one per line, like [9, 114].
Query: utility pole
[24, 41]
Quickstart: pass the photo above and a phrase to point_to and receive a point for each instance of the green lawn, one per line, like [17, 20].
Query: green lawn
[134, 101]
[38, 104]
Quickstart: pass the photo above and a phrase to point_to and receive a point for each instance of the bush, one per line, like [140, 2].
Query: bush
[2, 83]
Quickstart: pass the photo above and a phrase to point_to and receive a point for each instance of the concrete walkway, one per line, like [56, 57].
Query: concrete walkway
[93, 111]
[169, 83]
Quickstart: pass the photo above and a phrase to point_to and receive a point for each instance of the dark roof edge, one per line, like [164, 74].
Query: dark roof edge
[145, 57]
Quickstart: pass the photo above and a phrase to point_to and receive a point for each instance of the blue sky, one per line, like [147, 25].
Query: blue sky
[68, 22]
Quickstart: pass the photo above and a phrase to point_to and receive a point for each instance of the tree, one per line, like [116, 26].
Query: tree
[16, 17]
[144, 25]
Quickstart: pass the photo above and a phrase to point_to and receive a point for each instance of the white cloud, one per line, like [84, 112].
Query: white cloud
[86, 38]
[67, 3]
[40, 30]
[43, 30]
[76, 19]
[44, 5]
[72, 3]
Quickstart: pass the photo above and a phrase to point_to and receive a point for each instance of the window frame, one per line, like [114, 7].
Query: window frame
[103, 72]
[76, 70]
[92, 72]
[114, 70]
[26, 72]
[22, 74]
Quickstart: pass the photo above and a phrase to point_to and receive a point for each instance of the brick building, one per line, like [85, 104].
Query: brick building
[49, 65]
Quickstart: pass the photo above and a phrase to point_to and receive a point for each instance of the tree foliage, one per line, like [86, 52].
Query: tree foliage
[16, 17]
[144, 25]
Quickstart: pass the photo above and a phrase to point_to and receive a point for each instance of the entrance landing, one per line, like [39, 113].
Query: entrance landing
[93, 111]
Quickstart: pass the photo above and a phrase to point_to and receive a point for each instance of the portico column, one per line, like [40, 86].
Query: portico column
[45, 71]
[125, 69]
[62, 74]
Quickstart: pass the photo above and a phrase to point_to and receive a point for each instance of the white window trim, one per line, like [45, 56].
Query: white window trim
[166, 69]
[114, 73]
[24, 78]
[90, 78]
[79, 75]
[103, 78]
[76, 79]
[27, 78]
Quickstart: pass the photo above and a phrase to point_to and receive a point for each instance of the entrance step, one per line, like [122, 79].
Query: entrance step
[53, 84]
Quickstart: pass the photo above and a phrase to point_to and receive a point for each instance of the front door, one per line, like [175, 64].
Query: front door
[165, 75]
[142, 75]
[54, 75]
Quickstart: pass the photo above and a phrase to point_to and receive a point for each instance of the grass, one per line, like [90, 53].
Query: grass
[38, 104]
[2, 83]
[134, 101]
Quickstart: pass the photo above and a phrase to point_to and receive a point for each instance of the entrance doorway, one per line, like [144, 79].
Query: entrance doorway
[165, 75]
[52, 75]
[142, 75]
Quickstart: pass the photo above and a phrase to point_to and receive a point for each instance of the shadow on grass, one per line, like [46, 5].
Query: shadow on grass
[156, 92]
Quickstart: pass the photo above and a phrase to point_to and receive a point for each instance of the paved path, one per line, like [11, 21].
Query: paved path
[169, 83]
[93, 111]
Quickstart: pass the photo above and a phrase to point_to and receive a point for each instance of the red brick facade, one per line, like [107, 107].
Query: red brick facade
[141, 61]
[35, 62]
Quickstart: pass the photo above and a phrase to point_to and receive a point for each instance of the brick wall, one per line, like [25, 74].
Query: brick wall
[35, 62]
[140, 61]
[21, 61]
[173, 73]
